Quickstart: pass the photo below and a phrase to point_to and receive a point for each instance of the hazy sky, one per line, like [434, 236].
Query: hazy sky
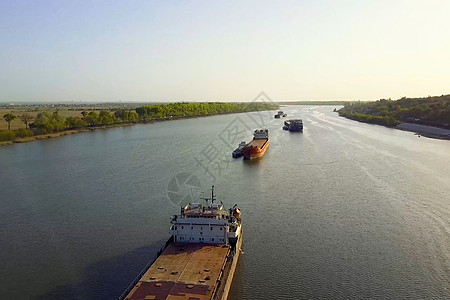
[223, 50]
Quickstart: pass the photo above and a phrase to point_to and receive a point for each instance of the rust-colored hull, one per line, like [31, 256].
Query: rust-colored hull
[256, 148]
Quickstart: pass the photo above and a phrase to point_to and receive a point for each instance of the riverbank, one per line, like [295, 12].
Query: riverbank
[55, 123]
[51, 135]
[41, 137]
[432, 113]
[91, 129]
[428, 131]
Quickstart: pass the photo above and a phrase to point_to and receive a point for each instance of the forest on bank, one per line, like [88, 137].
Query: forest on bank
[431, 111]
[52, 122]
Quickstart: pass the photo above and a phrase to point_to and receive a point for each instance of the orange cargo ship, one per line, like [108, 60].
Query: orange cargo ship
[258, 146]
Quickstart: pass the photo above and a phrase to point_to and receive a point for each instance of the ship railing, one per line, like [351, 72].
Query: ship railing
[219, 278]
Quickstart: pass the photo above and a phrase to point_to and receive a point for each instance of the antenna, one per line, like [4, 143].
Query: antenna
[212, 196]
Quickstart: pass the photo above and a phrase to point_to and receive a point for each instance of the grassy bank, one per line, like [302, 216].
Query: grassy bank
[54, 123]
[388, 121]
[47, 136]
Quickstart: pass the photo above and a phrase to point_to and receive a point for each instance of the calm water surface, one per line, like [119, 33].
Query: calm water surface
[342, 210]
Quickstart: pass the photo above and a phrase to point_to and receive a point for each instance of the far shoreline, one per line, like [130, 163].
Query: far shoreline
[419, 130]
[426, 131]
[47, 136]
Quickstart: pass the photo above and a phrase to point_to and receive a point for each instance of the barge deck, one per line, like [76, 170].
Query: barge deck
[182, 272]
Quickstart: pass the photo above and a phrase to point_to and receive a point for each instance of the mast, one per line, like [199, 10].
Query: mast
[212, 196]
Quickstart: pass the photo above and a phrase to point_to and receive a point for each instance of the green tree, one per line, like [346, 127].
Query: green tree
[433, 111]
[42, 122]
[92, 118]
[58, 122]
[8, 118]
[47, 122]
[75, 123]
[26, 118]
[105, 118]
[133, 117]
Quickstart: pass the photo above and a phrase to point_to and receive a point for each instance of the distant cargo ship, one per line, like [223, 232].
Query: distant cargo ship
[199, 260]
[294, 125]
[258, 146]
[280, 114]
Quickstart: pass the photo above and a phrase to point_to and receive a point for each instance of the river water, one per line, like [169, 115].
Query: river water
[342, 210]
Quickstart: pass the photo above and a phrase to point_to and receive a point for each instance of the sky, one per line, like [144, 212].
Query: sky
[100, 51]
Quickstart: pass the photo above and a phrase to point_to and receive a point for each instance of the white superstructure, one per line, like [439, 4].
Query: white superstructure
[261, 134]
[209, 223]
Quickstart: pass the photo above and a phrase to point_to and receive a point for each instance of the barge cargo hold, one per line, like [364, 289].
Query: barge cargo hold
[258, 146]
[198, 261]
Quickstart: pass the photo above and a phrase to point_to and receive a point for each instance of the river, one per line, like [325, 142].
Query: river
[342, 210]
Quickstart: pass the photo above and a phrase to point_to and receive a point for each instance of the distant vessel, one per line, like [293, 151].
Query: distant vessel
[280, 114]
[238, 151]
[258, 146]
[199, 260]
[294, 125]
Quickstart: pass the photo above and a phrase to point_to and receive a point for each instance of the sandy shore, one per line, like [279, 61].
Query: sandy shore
[428, 131]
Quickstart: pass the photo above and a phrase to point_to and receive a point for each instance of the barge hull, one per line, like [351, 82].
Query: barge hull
[256, 148]
[229, 270]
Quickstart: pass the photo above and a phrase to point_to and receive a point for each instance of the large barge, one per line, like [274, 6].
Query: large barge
[258, 146]
[199, 260]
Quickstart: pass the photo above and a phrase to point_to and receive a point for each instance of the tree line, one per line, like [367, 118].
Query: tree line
[52, 122]
[431, 111]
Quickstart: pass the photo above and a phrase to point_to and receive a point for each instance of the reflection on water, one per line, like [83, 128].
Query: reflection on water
[342, 210]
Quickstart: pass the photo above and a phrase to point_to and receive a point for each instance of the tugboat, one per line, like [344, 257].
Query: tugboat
[280, 114]
[258, 146]
[238, 151]
[199, 259]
